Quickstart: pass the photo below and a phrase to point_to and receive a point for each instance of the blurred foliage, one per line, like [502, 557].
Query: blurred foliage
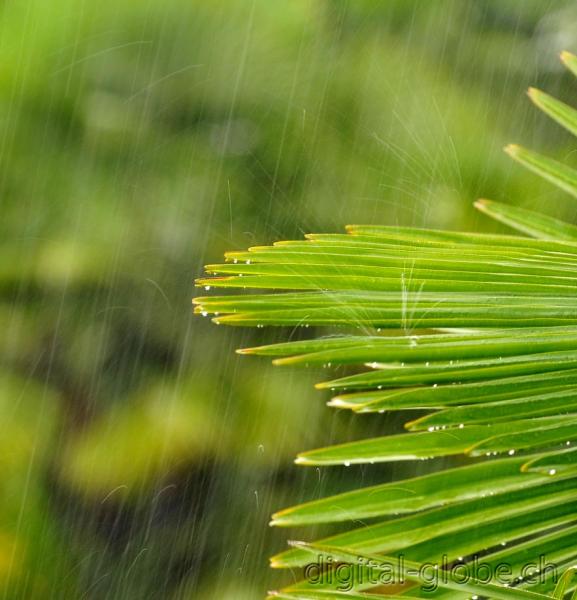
[141, 140]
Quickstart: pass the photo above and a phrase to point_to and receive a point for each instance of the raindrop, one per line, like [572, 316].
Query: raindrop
[511, 452]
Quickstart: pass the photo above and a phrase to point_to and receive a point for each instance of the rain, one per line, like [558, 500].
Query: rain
[140, 141]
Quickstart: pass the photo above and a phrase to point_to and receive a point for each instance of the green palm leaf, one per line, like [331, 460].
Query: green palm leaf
[483, 336]
[527, 221]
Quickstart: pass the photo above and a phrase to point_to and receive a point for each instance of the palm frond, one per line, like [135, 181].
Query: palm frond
[483, 337]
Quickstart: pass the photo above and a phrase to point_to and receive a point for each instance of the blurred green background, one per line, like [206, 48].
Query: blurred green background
[139, 140]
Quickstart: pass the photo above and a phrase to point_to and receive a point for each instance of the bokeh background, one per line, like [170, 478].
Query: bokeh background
[140, 139]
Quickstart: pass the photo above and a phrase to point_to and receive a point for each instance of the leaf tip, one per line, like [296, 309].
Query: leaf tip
[512, 149]
[285, 360]
[275, 562]
[280, 518]
[232, 255]
[534, 93]
[338, 402]
[482, 204]
[414, 424]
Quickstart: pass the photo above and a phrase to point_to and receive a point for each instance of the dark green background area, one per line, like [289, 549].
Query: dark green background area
[140, 140]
